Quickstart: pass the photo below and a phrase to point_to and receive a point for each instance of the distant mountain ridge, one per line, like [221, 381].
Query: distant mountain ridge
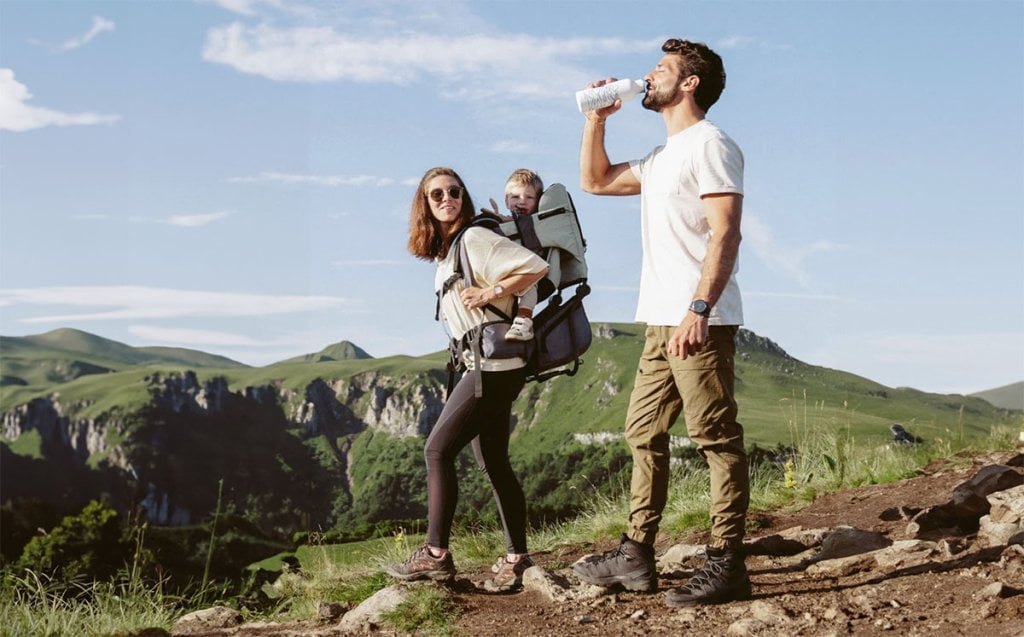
[334, 439]
[1006, 397]
[342, 351]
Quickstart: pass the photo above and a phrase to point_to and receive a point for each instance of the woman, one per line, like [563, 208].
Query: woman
[501, 269]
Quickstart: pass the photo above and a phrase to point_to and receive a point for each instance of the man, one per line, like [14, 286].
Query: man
[691, 191]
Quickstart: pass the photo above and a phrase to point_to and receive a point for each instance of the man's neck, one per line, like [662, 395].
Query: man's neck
[681, 116]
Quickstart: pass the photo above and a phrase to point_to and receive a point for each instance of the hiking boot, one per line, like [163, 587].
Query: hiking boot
[507, 575]
[631, 564]
[423, 565]
[722, 578]
[521, 330]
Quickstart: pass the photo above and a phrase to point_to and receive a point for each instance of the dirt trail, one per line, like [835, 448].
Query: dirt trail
[956, 596]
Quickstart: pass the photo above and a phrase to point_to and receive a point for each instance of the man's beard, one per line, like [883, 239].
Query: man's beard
[655, 101]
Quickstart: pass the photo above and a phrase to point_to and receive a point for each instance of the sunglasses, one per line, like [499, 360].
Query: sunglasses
[437, 194]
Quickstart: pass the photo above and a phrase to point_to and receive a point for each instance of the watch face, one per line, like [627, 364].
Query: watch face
[700, 307]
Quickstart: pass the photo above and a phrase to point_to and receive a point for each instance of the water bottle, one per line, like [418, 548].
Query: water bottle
[590, 99]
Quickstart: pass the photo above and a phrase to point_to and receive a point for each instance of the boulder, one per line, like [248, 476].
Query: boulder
[1005, 522]
[202, 622]
[368, 615]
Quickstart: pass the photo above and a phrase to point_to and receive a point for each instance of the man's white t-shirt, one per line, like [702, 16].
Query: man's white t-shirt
[700, 160]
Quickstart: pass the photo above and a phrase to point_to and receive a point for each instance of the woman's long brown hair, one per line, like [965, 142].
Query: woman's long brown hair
[426, 239]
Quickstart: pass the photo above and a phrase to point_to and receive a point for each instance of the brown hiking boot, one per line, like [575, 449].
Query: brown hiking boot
[423, 565]
[630, 564]
[722, 578]
[507, 575]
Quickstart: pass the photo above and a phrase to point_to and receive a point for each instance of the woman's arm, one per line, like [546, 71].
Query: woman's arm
[510, 284]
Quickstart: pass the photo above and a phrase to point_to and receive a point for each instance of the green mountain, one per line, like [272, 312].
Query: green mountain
[65, 354]
[1006, 397]
[334, 440]
[342, 351]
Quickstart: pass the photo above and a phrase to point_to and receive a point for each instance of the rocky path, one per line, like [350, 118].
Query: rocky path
[938, 554]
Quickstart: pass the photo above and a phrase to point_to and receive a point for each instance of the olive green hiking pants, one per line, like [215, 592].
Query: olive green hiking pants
[702, 388]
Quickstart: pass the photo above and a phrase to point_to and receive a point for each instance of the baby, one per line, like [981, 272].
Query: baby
[522, 196]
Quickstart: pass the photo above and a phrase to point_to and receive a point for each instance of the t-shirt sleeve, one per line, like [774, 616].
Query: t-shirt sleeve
[640, 166]
[494, 257]
[720, 169]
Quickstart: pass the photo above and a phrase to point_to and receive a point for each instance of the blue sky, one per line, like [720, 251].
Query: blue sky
[235, 175]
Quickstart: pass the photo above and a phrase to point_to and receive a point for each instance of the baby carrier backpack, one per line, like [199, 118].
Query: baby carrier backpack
[561, 328]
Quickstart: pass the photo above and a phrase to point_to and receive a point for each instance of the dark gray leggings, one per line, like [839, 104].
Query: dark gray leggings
[463, 418]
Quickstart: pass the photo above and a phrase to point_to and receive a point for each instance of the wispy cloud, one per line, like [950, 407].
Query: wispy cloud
[189, 337]
[324, 180]
[746, 42]
[126, 302]
[473, 65]
[99, 25]
[789, 260]
[364, 263]
[195, 220]
[261, 8]
[509, 146]
[18, 116]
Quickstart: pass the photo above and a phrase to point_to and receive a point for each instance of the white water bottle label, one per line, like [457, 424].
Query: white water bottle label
[600, 96]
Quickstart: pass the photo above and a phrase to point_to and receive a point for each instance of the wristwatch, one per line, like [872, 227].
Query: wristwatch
[700, 307]
[498, 291]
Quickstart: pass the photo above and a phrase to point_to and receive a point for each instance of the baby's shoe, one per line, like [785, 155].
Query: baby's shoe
[521, 330]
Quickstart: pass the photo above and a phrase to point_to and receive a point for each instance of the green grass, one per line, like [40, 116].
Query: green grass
[31, 606]
[428, 610]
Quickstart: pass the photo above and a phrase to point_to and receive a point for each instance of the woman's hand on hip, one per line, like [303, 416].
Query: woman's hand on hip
[477, 297]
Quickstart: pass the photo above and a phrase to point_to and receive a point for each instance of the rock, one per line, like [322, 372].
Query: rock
[935, 520]
[774, 545]
[677, 555]
[968, 503]
[204, 621]
[1005, 520]
[330, 611]
[557, 587]
[1007, 505]
[367, 615]
[845, 541]
[997, 590]
[762, 618]
[899, 555]
[971, 497]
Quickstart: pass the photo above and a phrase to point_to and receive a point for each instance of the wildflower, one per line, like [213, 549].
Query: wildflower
[790, 475]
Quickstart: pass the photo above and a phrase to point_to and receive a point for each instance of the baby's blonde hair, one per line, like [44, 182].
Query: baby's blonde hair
[524, 177]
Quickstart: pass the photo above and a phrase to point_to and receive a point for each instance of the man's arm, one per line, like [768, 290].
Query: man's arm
[723, 214]
[597, 174]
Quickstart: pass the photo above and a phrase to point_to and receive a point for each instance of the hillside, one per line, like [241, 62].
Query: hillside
[878, 581]
[65, 354]
[1006, 397]
[333, 441]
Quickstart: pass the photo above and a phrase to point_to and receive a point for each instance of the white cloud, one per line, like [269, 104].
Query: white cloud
[471, 65]
[16, 115]
[254, 8]
[128, 302]
[322, 180]
[786, 259]
[746, 41]
[179, 336]
[195, 220]
[509, 146]
[365, 263]
[99, 25]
